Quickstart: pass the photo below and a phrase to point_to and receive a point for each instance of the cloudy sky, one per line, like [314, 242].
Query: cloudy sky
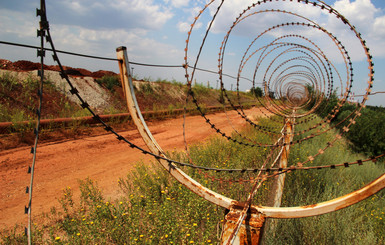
[155, 32]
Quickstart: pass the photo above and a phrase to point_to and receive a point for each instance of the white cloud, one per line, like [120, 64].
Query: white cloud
[179, 3]
[9, 19]
[95, 27]
[378, 31]
[198, 25]
[183, 26]
[360, 12]
[78, 7]
[86, 25]
[231, 9]
[104, 43]
[368, 21]
[99, 14]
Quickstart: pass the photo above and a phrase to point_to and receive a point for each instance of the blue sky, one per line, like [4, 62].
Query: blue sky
[154, 31]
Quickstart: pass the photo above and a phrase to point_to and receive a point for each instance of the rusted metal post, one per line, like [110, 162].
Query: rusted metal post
[249, 231]
[287, 134]
[288, 137]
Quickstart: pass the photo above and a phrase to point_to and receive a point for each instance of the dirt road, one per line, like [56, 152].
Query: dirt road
[102, 158]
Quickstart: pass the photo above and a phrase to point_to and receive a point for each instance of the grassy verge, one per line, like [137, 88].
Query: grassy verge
[362, 223]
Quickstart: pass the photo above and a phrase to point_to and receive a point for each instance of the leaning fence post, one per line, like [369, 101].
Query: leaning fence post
[288, 135]
[250, 231]
[287, 139]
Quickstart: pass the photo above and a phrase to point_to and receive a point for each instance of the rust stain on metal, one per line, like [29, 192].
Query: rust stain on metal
[250, 230]
[240, 205]
[310, 206]
[328, 206]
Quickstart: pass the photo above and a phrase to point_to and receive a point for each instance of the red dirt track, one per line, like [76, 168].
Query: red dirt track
[102, 158]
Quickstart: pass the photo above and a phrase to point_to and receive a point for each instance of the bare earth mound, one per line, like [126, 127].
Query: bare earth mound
[24, 65]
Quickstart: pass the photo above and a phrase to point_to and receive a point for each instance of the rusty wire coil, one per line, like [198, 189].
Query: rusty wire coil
[288, 80]
[290, 85]
[296, 73]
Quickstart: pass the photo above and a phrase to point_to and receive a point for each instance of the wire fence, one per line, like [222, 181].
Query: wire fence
[113, 59]
[276, 107]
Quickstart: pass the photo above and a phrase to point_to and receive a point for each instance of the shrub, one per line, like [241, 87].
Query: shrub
[367, 134]
[200, 89]
[257, 92]
[109, 82]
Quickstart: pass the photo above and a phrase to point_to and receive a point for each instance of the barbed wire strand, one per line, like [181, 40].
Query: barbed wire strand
[44, 27]
[108, 128]
[40, 53]
[114, 59]
[85, 105]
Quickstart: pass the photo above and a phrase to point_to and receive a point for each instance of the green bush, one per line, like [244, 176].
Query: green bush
[200, 89]
[8, 82]
[257, 92]
[367, 135]
[109, 82]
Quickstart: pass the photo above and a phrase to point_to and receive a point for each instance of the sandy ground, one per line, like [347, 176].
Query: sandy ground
[102, 158]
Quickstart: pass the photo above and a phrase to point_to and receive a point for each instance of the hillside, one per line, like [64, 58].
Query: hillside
[101, 90]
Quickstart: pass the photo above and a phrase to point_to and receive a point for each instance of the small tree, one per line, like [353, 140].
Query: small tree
[256, 91]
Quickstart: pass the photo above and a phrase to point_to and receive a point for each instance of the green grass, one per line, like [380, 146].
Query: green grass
[362, 223]
[200, 89]
[109, 82]
[19, 100]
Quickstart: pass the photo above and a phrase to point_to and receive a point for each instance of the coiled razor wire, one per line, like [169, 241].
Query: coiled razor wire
[85, 105]
[287, 80]
[278, 77]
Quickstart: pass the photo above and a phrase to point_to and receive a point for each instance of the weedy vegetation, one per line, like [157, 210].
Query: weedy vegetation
[155, 209]
[109, 82]
[362, 223]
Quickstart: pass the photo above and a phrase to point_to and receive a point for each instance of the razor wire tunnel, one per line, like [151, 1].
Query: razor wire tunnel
[285, 57]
